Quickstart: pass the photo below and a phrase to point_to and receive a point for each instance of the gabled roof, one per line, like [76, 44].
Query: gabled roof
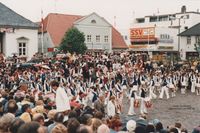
[193, 31]
[83, 18]
[57, 24]
[10, 19]
[117, 40]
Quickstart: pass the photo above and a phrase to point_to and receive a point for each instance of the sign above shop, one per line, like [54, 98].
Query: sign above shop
[166, 47]
[137, 33]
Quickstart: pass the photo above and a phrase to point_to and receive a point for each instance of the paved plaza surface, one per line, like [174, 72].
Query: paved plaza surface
[182, 108]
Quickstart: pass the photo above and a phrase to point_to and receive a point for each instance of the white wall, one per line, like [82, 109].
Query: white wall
[47, 42]
[184, 22]
[100, 27]
[168, 31]
[187, 47]
[93, 31]
[11, 42]
[125, 32]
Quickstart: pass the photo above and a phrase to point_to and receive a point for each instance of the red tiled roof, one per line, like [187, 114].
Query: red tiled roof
[117, 40]
[57, 24]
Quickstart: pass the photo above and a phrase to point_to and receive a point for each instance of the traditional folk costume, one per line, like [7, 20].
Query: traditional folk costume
[193, 81]
[158, 82]
[183, 84]
[198, 85]
[143, 95]
[111, 109]
[152, 95]
[170, 85]
[164, 89]
[132, 98]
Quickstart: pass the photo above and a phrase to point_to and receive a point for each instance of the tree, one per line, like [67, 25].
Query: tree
[197, 47]
[73, 41]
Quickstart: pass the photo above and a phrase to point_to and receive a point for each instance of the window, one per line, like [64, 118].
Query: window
[198, 39]
[105, 38]
[163, 18]
[22, 46]
[98, 38]
[164, 36]
[93, 21]
[22, 49]
[153, 19]
[89, 38]
[141, 20]
[188, 40]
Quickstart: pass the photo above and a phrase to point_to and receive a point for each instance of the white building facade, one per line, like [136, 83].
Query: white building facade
[18, 35]
[97, 31]
[22, 42]
[158, 34]
[190, 42]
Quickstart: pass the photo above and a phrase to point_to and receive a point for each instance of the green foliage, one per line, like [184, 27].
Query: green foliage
[73, 41]
[197, 47]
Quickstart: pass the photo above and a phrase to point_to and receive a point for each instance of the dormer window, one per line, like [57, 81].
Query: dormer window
[93, 21]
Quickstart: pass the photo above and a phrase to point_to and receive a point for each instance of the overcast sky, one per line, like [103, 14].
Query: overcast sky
[124, 10]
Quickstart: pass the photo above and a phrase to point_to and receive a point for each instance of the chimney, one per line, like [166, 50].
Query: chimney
[183, 9]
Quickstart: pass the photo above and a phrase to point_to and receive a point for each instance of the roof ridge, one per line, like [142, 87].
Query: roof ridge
[64, 14]
[36, 25]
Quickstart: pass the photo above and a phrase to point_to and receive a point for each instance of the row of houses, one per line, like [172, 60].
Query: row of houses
[168, 35]
[21, 36]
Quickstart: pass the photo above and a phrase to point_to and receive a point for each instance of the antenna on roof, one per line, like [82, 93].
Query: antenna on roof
[115, 21]
[55, 6]
[42, 29]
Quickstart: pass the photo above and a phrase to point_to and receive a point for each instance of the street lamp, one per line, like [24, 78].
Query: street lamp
[179, 28]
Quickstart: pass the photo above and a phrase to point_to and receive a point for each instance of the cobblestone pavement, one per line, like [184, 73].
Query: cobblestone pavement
[182, 108]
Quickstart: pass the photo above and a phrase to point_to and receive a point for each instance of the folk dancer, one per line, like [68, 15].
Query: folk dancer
[152, 95]
[143, 95]
[193, 81]
[198, 85]
[175, 80]
[124, 82]
[111, 108]
[183, 83]
[170, 85]
[158, 82]
[164, 88]
[132, 97]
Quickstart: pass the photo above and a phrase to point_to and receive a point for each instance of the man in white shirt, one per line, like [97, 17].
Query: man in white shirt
[62, 100]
